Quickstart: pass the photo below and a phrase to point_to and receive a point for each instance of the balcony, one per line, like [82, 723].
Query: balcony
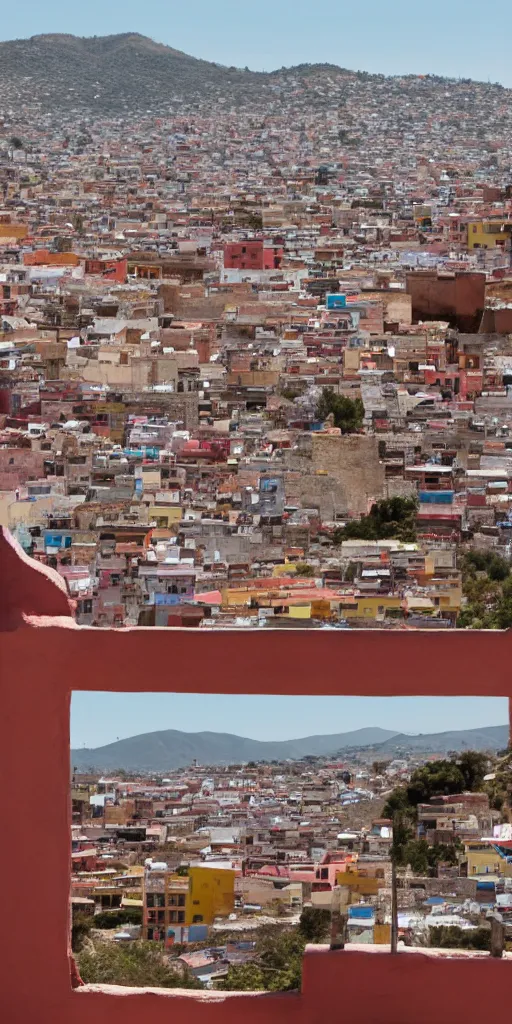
[45, 655]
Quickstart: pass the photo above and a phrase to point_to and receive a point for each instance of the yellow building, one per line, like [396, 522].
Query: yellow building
[371, 606]
[172, 902]
[488, 858]
[165, 515]
[211, 894]
[359, 882]
[486, 234]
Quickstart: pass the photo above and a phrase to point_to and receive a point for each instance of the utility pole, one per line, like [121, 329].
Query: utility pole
[497, 936]
[394, 908]
[339, 916]
[399, 838]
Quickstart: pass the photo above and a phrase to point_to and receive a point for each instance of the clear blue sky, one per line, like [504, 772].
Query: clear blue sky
[446, 37]
[98, 718]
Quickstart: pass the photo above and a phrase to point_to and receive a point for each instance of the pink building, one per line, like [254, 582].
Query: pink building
[252, 254]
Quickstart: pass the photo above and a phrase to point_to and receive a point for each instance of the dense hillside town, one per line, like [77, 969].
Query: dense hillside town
[255, 366]
[256, 372]
[217, 876]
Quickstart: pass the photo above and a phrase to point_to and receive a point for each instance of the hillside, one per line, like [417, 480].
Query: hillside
[108, 73]
[491, 738]
[120, 73]
[163, 751]
[160, 751]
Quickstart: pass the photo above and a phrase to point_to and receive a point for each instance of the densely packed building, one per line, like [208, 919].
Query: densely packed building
[255, 371]
[174, 310]
[207, 856]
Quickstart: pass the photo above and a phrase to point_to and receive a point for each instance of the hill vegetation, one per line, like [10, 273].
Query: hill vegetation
[128, 71]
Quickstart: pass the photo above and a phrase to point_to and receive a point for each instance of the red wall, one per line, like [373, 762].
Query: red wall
[114, 270]
[255, 256]
[44, 655]
[458, 298]
[17, 465]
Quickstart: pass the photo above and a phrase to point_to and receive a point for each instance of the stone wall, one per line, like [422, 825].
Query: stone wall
[335, 474]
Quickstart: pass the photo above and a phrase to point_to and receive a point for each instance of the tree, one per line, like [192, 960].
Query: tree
[442, 853]
[389, 518]
[416, 856]
[397, 802]
[303, 569]
[424, 859]
[347, 414]
[441, 778]
[402, 836]
[280, 955]
[473, 766]
[277, 966]
[494, 565]
[243, 978]
[116, 918]
[80, 929]
[315, 924]
[452, 937]
[138, 964]
[487, 590]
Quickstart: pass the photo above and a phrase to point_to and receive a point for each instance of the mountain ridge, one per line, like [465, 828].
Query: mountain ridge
[170, 748]
[125, 71]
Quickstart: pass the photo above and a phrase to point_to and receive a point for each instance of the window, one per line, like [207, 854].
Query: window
[181, 916]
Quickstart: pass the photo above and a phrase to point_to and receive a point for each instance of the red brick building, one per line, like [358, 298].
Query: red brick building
[253, 254]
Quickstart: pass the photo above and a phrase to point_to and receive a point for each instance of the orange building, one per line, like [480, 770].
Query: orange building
[45, 258]
[17, 231]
